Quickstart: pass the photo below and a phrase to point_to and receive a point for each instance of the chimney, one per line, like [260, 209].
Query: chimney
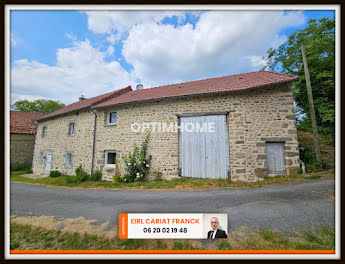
[81, 98]
[140, 87]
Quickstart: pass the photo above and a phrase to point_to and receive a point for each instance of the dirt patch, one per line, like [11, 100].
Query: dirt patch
[35, 176]
[80, 224]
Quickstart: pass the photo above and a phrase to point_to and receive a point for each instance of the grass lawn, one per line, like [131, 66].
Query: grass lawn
[28, 237]
[176, 184]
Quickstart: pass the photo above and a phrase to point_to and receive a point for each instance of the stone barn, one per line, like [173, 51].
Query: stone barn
[22, 138]
[240, 126]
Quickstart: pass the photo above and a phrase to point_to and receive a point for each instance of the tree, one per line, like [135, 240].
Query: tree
[319, 41]
[37, 106]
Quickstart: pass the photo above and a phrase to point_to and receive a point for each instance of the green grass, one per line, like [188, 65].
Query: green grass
[175, 184]
[224, 245]
[320, 236]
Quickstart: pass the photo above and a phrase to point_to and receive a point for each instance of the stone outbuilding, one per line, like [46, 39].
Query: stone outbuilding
[240, 126]
[22, 138]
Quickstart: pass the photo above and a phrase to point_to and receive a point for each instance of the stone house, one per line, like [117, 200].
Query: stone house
[253, 129]
[22, 138]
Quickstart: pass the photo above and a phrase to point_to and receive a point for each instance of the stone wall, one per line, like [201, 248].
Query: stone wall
[21, 149]
[258, 116]
[59, 142]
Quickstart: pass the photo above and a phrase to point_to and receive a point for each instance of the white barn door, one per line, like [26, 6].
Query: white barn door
[204, 154]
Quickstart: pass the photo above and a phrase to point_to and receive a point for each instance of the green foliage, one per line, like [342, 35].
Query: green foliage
[20, 167]
[37, 106]
[309, 158]
[319, 41]
[182, 246]
[71, 180]
[157, 175]
[131, 243]
[320, 236]
[55, 173]
[96, 176]
[224, 245]
[137, 164]
[81, 175]
[326, 132]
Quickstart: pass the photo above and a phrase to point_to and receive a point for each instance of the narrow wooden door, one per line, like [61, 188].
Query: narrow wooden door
[49, 162]
[204, 153]
[275, 158]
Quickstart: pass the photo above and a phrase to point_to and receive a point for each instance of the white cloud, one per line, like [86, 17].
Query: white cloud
[257, 61]
[113, 38]
[221, 43]
[110, 50]
[81, 69]
[120, 21]
[71, 36]
[218, 45]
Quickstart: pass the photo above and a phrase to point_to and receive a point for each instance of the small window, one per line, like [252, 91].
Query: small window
[68, 159]
[40, 158]
[71, 129]
[44, 132]
[111, 118]
[110, 158]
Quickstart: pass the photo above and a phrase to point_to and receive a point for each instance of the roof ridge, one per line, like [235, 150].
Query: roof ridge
[198, 80]
[279, 73]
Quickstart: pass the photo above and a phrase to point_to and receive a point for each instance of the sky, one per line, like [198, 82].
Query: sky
[61, 55]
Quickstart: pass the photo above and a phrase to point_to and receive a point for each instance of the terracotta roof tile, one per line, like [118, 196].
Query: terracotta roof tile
[229, 83]
[20, 122]
[85, 103]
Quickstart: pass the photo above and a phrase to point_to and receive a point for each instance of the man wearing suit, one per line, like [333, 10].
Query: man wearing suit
[216, 232]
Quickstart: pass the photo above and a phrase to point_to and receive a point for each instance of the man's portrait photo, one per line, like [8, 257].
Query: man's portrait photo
[216, 225]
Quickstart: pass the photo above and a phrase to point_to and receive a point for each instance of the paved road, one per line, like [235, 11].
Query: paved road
[280, 206]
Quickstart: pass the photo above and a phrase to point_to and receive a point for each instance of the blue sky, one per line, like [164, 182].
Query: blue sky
[60, 55]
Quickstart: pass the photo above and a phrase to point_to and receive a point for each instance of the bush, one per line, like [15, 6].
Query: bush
[81, 175]
[20, 167]
[309, 158]
[157, 175]
[96, 176]
[55, 173]
[137, 164]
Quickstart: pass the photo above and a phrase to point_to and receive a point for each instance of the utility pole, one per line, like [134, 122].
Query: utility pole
[311, 106]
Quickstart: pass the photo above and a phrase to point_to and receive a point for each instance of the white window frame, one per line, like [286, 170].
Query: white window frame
[69, 128]
[108, 118]
[106, 159]
[44, 131]
[71, 155]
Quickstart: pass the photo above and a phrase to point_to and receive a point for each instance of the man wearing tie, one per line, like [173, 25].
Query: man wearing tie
[216, 232]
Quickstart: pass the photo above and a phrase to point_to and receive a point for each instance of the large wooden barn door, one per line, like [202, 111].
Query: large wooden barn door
[275, 158]
[204, 154]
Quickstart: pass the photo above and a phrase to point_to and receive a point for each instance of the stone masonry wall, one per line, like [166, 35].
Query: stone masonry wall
[259, 116]
[21, 149]
[59, 142]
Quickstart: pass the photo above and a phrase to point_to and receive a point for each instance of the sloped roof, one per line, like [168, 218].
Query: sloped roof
[20, 122]
[238, 82]
[85, 103]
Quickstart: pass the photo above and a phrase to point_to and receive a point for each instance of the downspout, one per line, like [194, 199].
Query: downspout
[33, 151]
[94, 140]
